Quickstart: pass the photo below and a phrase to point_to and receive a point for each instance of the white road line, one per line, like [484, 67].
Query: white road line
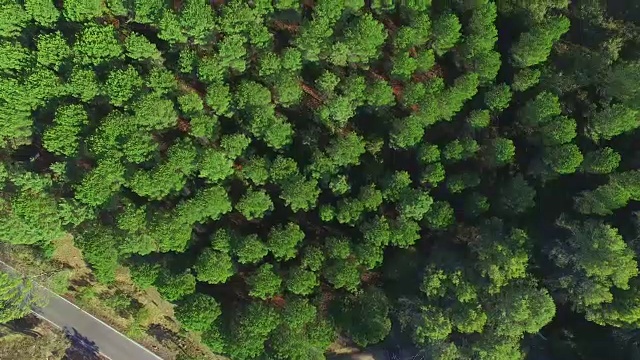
[77, 307]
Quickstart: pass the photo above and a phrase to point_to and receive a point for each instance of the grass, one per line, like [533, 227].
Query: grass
[50, 343]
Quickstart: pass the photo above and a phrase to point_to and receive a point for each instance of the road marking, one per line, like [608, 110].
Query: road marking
[77, 307]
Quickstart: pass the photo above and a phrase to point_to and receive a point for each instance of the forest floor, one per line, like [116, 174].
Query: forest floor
[151, 324]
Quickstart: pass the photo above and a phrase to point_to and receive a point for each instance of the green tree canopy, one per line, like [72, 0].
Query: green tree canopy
[197, 312]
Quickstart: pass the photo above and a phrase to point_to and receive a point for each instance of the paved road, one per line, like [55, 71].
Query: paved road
[87, 330]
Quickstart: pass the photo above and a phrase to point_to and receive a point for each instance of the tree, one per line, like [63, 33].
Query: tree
[249, 249]
[313, 258]
[415, 34]
[619, 82]
[480, 32]
[534, 11]
[174, 286]
[404, 66]
[525, 79]
[53, 49]
[121, 85]
[146, 11]
[343, 274]
[264, 282]
[101, 183]
[395, 185]
[337, 248]
[208, 203]
[460, 182]
[601, 161]
[14, 57]
[170, 175]
[117, 7]
[214, 267]
[499, 151]
[197, 20]
[407, 132]
[503, 254]
[592, 262]
[17, 297]
[62, 137]
[254, 204]
[360, 41]
[197, 312]
[283, 240]
[300, 194]
[365, 317]
[613, 121]
[170, 28]
[298, 312]
[346, 150]
[445, 33]
[516, 197]
[13, 18]
[602, 200]
[83, 84]
[533, 47]
[251, 329]
[100, 250]
[404, 232]
[234, 144]
[232, 52]
[287, 90]
[414, 204]
[140, 48]
[97, 44]
[476, 204]
[144, 274]
[161, 81]
[453, 151]
[215, 165]
[256, 169]
[479, 119]
[190, 104]
[440, 216]
[453, 98]
[524, 308]
[301, 281]
[498, 97]
[541, 109]
[380, 93]
[82, 11]
[283, 169]
[560, 130]
[369, 255]
[563, 159]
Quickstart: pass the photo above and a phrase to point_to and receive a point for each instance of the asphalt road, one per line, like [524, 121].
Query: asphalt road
[86, 331]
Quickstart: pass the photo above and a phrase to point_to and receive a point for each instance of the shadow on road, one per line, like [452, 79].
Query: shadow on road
[81, 347]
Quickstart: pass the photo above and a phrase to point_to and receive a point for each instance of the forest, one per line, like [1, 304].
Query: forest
[455, 177]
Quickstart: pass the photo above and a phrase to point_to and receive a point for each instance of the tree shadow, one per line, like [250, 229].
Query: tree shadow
[82, 282]
[25, 326]
[81, 347]
[162, 334]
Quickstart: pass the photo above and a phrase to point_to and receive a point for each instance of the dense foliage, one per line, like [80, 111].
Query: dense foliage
[461, 174]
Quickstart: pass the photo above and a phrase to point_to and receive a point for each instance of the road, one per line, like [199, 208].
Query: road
[85, 330]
